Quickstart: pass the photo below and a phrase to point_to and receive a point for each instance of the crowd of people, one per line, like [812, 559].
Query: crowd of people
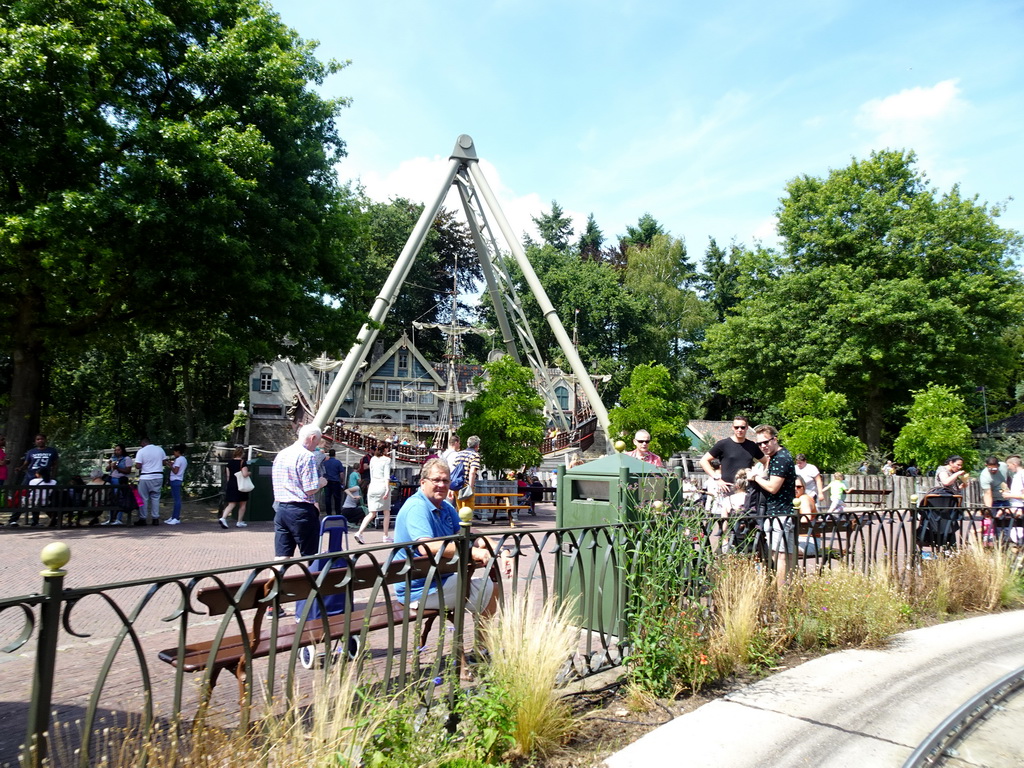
[40, 465]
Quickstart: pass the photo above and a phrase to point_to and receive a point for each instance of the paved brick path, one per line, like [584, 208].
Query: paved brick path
[102, 555]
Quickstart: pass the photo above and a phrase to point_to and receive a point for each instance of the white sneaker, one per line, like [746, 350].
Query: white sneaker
[117, 522]
[240, 524]
[172, 521]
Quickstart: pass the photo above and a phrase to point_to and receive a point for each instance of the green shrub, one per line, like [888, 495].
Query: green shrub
[666, 620]
[842, 607]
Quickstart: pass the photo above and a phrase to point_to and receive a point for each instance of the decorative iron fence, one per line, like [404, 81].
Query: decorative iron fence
[151, 652]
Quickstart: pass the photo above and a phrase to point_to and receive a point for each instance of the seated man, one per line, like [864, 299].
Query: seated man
[427, 515]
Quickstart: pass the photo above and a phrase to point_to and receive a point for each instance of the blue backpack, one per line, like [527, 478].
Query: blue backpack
[458, 478]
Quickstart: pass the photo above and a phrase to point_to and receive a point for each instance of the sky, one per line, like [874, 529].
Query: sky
[697, 113]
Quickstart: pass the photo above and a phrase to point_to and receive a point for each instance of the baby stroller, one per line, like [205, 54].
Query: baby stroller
[335, 529]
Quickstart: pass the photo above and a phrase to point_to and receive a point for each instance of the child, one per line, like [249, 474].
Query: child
[40, 499]
[178, 464]
[988, 528]
[837, 493]
[715, 501]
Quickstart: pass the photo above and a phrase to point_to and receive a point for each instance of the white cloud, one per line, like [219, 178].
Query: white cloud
[766, 231]
[911, 117]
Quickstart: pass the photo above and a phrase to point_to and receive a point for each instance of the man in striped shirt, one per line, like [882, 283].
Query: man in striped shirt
[297, 518]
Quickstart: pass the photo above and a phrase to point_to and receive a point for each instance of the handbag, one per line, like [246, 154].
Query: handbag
[245, 483]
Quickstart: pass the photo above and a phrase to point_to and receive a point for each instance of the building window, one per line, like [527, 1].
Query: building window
[376, 392]
[426, 394]
[409, 395]
[266, 380]
[394, 393]
[562, 395]
[403, 362]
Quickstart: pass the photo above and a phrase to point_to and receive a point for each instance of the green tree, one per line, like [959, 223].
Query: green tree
[660, 272]
[165, 165]
[936, 429]
[447, 257]
[555, 227]
[643, 234]
[815, 425]
[614, 331]
[653, 401]
[174, 386]
[507, 415]
[719, 279]
[883, 284]
[591, 240]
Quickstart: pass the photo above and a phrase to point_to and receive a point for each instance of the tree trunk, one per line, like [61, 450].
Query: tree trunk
[188, 401]
[24, 413]
[872, 418]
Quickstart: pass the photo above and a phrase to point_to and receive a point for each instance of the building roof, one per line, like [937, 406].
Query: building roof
[1013, 423]
[714, 430]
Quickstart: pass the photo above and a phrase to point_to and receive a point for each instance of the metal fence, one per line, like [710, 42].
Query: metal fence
[151, 651]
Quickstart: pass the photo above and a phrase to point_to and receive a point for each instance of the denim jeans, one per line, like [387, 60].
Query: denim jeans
[176, 495]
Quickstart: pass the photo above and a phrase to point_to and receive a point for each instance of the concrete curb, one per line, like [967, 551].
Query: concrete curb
[856, 707]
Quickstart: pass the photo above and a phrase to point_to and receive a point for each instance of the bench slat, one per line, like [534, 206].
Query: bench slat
[232, 649]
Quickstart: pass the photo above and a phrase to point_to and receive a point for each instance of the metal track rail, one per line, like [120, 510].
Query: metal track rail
[955, 729]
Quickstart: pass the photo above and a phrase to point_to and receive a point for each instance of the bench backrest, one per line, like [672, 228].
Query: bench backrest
[68, 498]
[300, 586]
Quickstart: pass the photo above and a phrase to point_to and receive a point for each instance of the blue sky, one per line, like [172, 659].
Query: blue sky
[696, 113]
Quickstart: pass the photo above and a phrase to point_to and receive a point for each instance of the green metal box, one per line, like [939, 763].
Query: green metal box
[261, 498]
[591, 562]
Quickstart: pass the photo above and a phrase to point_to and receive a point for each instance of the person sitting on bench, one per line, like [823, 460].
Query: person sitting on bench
[428, 514]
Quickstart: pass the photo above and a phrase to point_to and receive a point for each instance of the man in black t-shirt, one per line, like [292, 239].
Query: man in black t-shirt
[734, 452]
[778, 481]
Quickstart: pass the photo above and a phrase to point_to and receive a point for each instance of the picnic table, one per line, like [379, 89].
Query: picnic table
[499, 501]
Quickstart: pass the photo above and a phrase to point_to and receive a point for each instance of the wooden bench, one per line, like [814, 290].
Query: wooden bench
[76, 502]
[867, 499]
[266, 634]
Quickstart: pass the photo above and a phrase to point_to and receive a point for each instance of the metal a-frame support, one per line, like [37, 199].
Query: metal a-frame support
[477, 198]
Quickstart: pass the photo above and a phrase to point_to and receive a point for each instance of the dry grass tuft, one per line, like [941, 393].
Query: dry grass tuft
[844, 607]
[971, 578]
[528, 645]
[332, 731]
[742, 594]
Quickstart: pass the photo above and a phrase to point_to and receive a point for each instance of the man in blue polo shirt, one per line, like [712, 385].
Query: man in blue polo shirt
[428, 515]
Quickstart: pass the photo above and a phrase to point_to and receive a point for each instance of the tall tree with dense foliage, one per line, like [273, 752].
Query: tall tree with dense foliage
[936, 429]
[814, 426]
[661, 274]
[719, 278]
[507, 415]
[165, 165]
[643, 234]
[591, 240]
[555, 227]
[653, 401]
[446, 257]
[613, 327]
[882, 285]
